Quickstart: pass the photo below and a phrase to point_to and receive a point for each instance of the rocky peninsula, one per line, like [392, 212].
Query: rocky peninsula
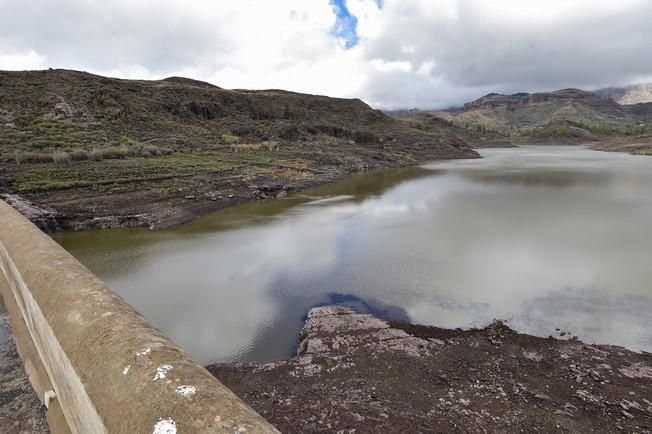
[354, 373]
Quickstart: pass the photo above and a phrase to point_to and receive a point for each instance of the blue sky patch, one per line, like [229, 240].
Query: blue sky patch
[346, 25]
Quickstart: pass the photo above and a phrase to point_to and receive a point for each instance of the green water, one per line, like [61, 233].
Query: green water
[543, 237]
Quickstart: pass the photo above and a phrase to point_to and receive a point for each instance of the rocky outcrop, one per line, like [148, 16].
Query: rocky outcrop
[356, 373]
[45, 218]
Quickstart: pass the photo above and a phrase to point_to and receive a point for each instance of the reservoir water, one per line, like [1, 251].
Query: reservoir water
[545, 238]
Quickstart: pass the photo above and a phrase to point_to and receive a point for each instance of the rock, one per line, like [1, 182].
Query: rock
[637, 370]
[532, 356]
[563, 413]
[543, 397]
[271, 186]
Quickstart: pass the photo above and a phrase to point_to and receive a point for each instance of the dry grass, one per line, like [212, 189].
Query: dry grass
[112, 153]
[230, 140]
[266, 146]
[62, 158]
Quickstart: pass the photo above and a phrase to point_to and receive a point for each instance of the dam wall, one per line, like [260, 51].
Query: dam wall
[95, 362]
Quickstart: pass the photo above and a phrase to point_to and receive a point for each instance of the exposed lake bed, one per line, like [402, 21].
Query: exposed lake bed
[357, 373]
[544, 238]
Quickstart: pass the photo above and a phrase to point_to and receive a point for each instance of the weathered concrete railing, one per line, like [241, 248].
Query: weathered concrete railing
[98, 365]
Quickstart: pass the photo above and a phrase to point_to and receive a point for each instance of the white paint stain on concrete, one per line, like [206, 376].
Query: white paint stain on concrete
[125, 371]
[186, 390]
[165, 426]
[162, 372]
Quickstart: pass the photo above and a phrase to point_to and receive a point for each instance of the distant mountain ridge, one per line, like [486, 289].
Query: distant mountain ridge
[527, 110]
[535, 110]
[628, 95]
[566, 116]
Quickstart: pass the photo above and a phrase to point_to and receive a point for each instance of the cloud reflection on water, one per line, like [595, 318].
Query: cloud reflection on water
[543, 237]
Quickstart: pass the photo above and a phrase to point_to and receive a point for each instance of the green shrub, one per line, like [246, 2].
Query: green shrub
[121, 152]
[635, 131]
[126, 140]
[113, 153]
[230, 140]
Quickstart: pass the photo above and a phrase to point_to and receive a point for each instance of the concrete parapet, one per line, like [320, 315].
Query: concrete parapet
[110, 370]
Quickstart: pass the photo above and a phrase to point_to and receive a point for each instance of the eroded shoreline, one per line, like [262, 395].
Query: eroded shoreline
[78, 209]
[75, 209]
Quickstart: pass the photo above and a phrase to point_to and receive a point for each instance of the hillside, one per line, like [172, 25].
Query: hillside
[628, 95]
[80, 150]
[564, 116]
[539, 109]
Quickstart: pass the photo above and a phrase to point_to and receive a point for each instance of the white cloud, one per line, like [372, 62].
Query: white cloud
[474, 46]
[409, 53]
[22, 61]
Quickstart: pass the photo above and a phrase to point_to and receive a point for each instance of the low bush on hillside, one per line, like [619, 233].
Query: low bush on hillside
[79, 155]
[113, 153]
[98, 154]
[270, 145]
[62, 158]
[230, 140]
[635, 131]
[33, 157]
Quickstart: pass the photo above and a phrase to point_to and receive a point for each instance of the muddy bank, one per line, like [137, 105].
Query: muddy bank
[20, 409]
[354, 373]
[631, 145]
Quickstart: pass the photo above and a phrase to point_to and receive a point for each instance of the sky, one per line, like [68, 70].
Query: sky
[390, 53]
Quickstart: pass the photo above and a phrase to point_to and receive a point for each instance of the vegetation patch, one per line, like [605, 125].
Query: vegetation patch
[105, 173]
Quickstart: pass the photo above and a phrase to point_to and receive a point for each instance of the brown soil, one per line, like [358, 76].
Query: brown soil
[356, 373]
[631, 145]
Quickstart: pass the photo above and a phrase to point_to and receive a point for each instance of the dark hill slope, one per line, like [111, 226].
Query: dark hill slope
[101, 151]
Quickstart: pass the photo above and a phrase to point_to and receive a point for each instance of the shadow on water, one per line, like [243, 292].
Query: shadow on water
[362, 305]
[280, 339]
